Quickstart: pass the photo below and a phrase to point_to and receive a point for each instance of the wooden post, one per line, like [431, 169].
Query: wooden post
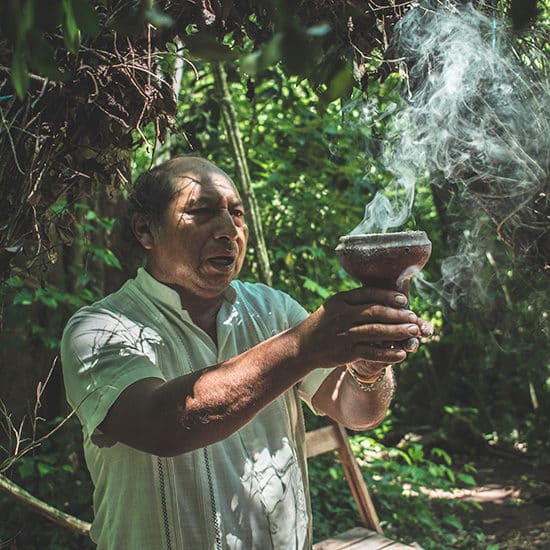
[356, 481]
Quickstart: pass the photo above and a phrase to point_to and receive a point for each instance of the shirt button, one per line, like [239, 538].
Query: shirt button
[274, 528]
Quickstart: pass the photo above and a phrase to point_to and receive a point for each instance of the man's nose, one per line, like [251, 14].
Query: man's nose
[225, 226]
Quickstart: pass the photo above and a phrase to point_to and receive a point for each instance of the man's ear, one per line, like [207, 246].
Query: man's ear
[143, 231]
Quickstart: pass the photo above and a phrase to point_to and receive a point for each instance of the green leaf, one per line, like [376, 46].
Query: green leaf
[107, 256]
[436, 451]
[87, 295]
[398, 452]
[43, 469]
[46, 298]
[453, 521]
[416, 452]
[309, 284]
[466, 478]
[263, 58]
[24, 297]
[26, 468]
[15, 282]
[19, 72]
[203, 45]
[85, 17]
[51, 342]
[25, 18]
[71, 33]
[340, 85]
[37, 329]
[451, 475]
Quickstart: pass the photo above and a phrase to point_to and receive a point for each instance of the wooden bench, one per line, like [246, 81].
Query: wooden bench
[368, 536]
[360, 538]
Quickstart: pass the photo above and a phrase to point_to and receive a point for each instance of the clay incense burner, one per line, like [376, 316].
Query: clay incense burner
[385, 260]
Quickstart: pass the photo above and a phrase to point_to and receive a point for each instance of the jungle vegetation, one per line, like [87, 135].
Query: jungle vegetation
[278, 94]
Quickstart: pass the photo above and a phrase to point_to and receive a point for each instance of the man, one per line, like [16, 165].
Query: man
[187, 381]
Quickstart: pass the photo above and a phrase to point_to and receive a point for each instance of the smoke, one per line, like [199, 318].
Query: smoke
[392, 208]
[475, 118]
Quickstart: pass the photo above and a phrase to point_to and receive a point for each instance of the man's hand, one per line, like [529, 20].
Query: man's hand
[371, 369]
[366, 324]
[368, 329]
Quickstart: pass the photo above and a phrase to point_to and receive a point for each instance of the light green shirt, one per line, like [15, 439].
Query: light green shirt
[248, 491]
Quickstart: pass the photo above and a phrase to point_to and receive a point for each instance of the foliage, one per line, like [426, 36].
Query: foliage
[298, 156]
[56, 473]
[502, 373]
[314, 167]
[326, 31]
[404, 482]
[82, 284]
[100, 74]
[54, 470]
[80, 76]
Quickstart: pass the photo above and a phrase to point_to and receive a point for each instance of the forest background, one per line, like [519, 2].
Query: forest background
[274, 97]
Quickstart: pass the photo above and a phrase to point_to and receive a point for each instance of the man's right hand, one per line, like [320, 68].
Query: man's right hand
[364, 323]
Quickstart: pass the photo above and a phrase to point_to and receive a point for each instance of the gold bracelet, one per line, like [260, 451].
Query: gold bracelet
[366, 384]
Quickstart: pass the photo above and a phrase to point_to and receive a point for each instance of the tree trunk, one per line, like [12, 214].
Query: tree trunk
[243, 175]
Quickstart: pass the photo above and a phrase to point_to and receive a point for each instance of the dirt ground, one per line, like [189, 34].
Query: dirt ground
[515, 495]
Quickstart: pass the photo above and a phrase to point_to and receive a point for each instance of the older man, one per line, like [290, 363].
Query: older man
[187, 382]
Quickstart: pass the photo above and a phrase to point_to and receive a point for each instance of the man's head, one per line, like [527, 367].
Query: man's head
[189, 218]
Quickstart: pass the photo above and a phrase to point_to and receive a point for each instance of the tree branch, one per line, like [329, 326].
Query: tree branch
[53, 514]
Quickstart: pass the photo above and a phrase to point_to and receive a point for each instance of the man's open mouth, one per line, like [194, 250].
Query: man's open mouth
[222, 261]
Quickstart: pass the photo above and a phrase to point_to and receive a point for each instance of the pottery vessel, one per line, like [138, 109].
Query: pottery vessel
[385, 260]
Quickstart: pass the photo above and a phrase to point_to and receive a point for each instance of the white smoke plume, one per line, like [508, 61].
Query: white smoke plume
[474, 117]
[473, 114]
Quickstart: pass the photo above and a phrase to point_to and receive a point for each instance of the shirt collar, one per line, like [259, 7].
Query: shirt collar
[168, 296]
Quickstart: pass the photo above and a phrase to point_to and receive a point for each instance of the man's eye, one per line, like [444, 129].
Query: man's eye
[200, 211]
[238, 213]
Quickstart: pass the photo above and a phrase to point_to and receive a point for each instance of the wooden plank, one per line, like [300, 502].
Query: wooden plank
[360, 538]
[344, 540]
[378, 543]
[321, 441]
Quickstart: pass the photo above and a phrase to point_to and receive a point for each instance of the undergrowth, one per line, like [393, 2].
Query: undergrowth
[400, 480]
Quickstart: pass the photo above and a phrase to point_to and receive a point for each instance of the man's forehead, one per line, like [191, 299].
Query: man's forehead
[205, 186]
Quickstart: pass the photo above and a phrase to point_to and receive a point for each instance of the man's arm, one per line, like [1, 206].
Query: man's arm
[341, 397]
[195, 410]
[198, 409]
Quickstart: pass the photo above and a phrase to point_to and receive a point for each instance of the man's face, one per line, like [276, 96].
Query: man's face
[201, 244]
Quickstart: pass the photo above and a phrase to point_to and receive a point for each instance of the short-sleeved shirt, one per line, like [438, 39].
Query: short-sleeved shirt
[245, 492]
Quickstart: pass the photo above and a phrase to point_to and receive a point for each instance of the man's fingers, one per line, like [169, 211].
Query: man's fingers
[369, 295]
[426, 328]
[382, 314]
[411, 345]
[379, 332]
[385, 356]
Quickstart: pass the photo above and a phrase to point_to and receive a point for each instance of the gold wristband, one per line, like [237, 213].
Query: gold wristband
[366, 384]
